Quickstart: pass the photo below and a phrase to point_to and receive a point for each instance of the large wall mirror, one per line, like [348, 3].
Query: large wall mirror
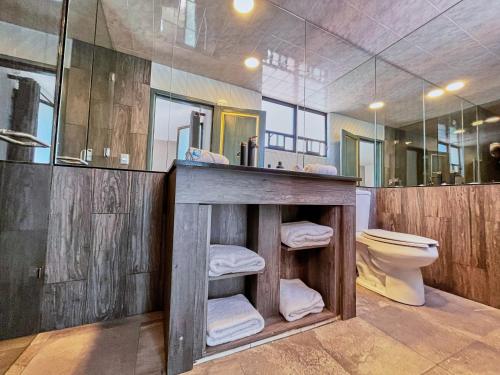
[153, 78]
[29, 38]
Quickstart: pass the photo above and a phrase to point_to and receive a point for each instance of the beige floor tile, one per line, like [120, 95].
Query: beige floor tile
[11, 349]
[223, 366]
[469, 317]
[368, 301]
[151, 354]
[437, 371]
[363, 349]
[435, 342]
[298, 354]
[492, 339]
[477, 358]
[105, 349]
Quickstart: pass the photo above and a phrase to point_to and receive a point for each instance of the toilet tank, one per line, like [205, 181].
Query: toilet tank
[363, 198]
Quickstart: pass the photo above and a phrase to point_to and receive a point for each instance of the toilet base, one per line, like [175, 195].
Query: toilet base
[405, 286]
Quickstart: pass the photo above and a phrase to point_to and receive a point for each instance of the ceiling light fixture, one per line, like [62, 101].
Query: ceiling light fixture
[243, 6]
[454, 86]
[252, 62]
[376, 105]
[477, 123]
[435, 93]
[492, 119]
[459, 131]
[408, 143]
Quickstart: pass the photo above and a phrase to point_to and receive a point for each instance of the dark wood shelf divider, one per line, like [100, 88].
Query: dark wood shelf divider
[231, 275]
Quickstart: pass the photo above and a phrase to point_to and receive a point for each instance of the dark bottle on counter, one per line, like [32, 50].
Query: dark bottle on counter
[253, 152]
[244, 153]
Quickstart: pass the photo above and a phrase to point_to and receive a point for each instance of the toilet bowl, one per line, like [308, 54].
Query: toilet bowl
[389, 262]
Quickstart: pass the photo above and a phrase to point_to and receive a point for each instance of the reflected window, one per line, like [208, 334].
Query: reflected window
[285, 129]
[280, 125]
[312, 135]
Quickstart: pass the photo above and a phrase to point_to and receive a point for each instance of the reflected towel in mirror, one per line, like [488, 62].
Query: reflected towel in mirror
[196, 154]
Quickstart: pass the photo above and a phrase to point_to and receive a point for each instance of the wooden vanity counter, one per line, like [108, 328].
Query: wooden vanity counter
[224, 204]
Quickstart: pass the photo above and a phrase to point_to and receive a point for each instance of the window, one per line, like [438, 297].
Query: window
[285, 128]
[280, 125]
[313, 139]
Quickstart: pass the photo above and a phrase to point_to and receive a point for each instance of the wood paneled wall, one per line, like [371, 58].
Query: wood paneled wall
[24, 212]
[466, 222]
[106, 105]
[104, 246]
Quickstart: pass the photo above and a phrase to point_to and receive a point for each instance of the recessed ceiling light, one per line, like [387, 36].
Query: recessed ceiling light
[376, 105]
[459, 131]
[243, 6]
[435, 93]
[477, 123]
[252, 62]
[454, 86]
[492, 119]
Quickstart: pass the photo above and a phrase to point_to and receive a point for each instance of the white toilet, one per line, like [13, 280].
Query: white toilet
[388, 262]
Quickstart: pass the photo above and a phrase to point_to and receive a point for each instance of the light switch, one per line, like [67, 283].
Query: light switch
[107, 152]
[124, 159]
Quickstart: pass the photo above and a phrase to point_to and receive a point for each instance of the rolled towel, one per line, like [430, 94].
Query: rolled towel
[196, 154]
[298, 300]
[321, 169]
[230, 319]
[225, 259]
[305, 233]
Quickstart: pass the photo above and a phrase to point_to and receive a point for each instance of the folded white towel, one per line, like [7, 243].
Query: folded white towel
[224, 259]
[305, 233]
[230, 319]
[196, 154]
[298, 300]
[321, 169]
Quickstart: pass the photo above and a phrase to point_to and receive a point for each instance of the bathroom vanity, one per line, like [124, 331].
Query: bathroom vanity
[233, 205]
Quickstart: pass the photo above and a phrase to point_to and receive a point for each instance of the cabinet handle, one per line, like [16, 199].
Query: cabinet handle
[16, 138]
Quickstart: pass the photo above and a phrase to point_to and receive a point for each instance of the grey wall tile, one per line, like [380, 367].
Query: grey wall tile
[69, 225]
[107, 267]
[146, 213]
[63, 305]
[111, 192]
[142, 293]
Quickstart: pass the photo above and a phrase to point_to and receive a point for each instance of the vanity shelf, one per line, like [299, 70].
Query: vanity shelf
[287, 248]
[275, 326]
[226, 205]
[231, 275]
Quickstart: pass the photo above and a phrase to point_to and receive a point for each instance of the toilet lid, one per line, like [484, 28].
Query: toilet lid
[399, 238]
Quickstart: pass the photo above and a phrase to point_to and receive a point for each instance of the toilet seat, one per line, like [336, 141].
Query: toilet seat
[398, 238]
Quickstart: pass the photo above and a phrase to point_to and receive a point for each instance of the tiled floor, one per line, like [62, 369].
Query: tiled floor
[450, 335]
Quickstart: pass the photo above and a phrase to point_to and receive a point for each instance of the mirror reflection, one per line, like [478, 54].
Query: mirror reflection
[29, 37]
[267, 88]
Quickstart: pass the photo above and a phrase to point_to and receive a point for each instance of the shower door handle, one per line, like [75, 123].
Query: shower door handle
[21, 139]
[71, 160]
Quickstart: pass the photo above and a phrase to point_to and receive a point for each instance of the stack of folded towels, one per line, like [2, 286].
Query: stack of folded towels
[230, 319]
[298, 300]
[305, 233]
[224, 259]
[197, 154]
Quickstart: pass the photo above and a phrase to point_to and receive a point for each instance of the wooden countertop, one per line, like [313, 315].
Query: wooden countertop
[273, 171]
[208, 183]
